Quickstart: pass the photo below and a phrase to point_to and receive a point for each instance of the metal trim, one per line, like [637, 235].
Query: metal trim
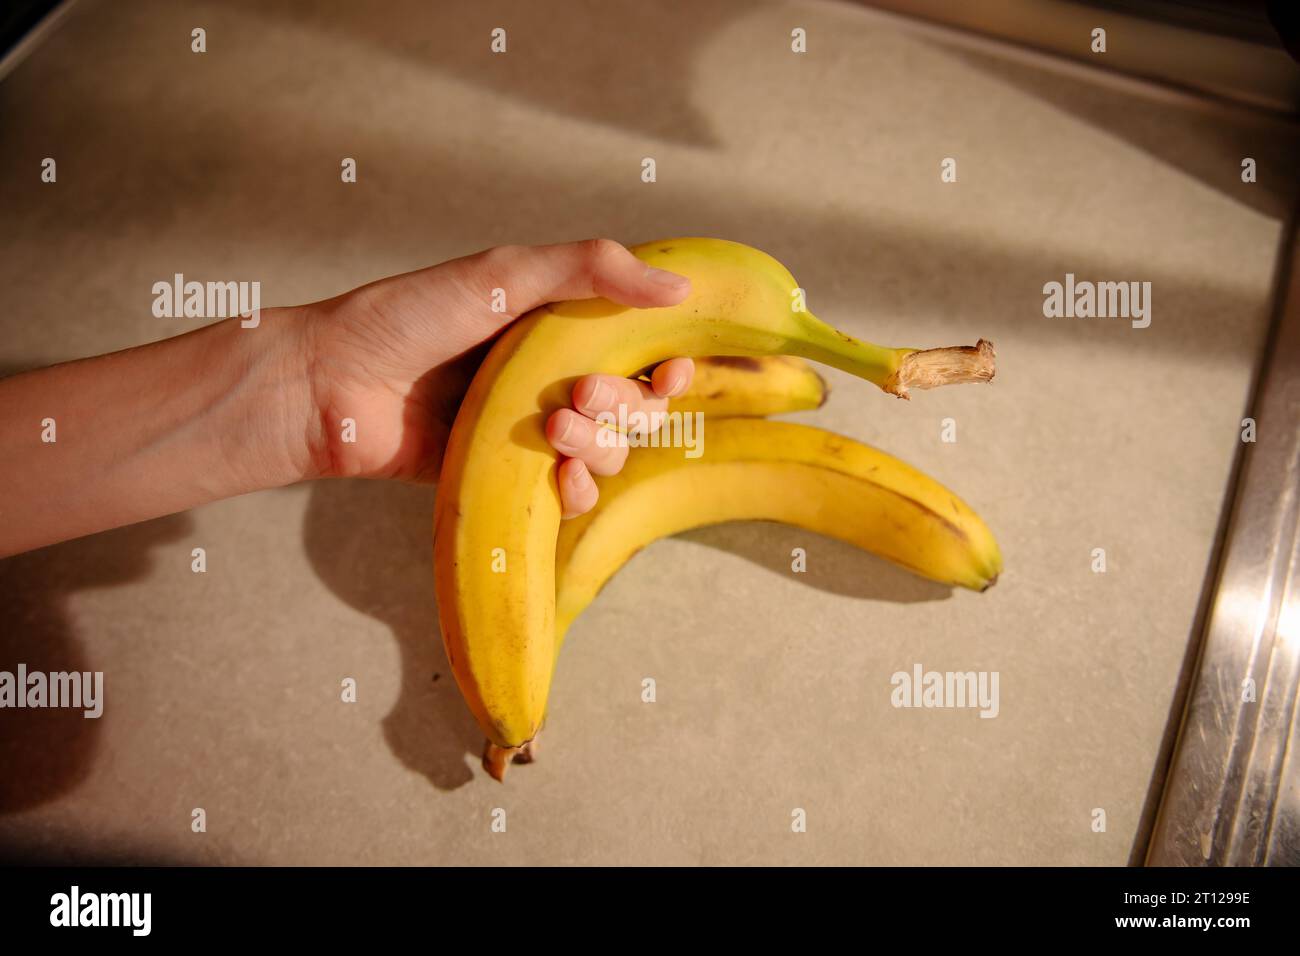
[1232, 796]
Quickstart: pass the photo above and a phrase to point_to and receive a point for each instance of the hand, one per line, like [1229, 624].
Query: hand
[396, 356]
[229, 409]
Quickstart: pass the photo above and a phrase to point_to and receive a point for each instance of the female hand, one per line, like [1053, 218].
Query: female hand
[240, 406]
[396, 357]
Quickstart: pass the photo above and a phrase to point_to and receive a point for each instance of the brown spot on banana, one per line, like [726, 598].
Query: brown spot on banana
[742, 362]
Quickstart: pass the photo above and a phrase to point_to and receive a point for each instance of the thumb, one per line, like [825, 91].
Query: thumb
[535, 275]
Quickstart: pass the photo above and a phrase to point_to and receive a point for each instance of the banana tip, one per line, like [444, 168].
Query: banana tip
[824, 387]
[496, 760]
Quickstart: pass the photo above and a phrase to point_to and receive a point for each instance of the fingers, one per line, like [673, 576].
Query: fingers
[577, 490]
[620, 397]
[535, 275]
[622, 402]
[673, 377]
[596, 445]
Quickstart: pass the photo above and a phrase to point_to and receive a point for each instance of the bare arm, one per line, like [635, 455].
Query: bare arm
[151, 430]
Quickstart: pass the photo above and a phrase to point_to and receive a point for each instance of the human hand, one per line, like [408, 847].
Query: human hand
[237, 406]
[397, 355]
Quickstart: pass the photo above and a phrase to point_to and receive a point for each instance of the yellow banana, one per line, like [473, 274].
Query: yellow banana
[498, 509]
[727, 386]
[754, 469]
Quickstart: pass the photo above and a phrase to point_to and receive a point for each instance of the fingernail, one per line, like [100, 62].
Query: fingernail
[568, 427]
[581, 479]
[665, 278]
[677, 387]
[601, 397]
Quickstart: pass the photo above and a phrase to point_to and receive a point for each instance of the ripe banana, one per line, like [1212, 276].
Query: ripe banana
[727, 386]
[774, 471]
[498, 511]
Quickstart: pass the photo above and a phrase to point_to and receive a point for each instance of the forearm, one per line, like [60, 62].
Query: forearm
[153, 430]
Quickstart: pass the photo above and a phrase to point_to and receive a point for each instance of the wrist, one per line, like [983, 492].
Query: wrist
[280, 415]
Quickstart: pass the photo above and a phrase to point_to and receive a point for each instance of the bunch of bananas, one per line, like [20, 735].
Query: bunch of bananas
[511, 578]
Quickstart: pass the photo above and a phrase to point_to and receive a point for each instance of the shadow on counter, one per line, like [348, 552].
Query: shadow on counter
[637, 78]
[1207, 144]
[282, 185]
[371, 543]
[47, 752]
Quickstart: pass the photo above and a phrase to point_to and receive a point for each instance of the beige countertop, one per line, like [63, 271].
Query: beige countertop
[222, 689]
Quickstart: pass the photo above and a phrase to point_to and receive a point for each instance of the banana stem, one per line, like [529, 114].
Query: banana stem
[954, 365]
[897, 370]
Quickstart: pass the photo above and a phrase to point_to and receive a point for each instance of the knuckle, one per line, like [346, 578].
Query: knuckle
[501, 253]
[495, 263]
[598, 253]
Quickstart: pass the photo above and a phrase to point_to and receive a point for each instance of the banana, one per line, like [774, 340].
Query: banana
[723, 387]
[728, 386]
[774, 471]
[497, 512]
